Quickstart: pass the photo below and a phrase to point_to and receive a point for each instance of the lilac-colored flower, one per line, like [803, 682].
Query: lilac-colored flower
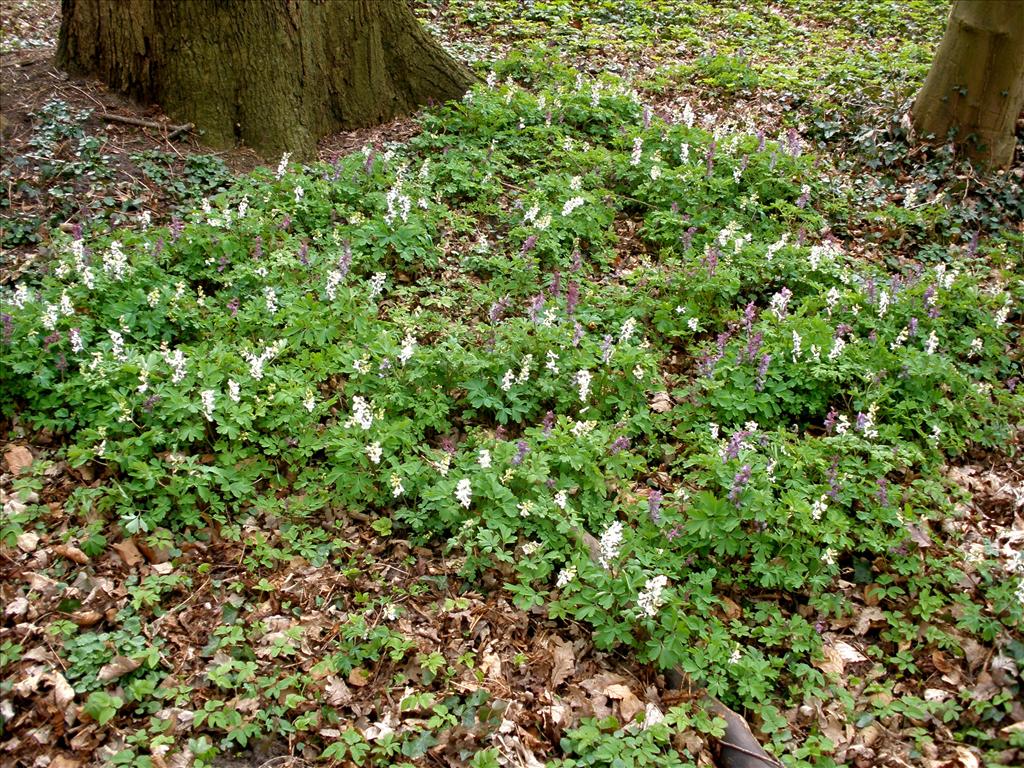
[773, 160]
[736, 443]
[53, 338]
[709, 159]
[871, 289]
[754, 345]
[972, 247]
[577, 261]
[150, 401]
[177, 227]
[285, 224]
[762, 372]
[371, 157]
[912, 326]
[233, 306]
[522, 448]
[687, 238]
[739, 482]
[537, 307]
[8, 327]
[793, 139]
[498, 309]
[577, 334]
[1011, 383]
[749, 313]
[500, 433]
[830, 420]
[448, 444]
[222, 263]
[549, 422]
[647, 118]
[654, 506]
[528, 245]
[711, 260]
[760, 140]
[345, 260]
[257, 248]
[555, 290]
[833, 479]
[304, 253]
[883, 492]
[572, 297]
[606, 348]
[61, 363]
[621, 444]
[76, 230]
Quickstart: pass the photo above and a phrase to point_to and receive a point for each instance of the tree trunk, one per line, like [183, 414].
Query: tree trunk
[274, 74]
[976, 82]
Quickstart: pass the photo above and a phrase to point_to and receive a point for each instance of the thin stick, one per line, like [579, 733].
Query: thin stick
[175, 129]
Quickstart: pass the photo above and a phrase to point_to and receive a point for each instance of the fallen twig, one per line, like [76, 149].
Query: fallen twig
[176, 130]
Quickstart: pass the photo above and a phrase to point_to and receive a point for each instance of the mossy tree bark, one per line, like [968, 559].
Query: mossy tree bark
[976, 82]
[274, 74]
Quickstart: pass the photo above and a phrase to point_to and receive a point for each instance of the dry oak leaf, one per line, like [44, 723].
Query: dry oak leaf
[28, 541]
[564, 662]
[128, 552]
[358, 677]
[661, 402]
[18, 458]
[118, 667]
[71, 552]
[629, 704]
[63, 693]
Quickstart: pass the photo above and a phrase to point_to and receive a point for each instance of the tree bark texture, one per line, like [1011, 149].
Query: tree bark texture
[274, 74]
[976, 81]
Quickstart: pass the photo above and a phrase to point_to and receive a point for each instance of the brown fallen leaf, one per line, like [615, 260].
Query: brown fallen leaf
[358, 677]
[629, 704]
[661, 402]
[18, 458]
[128, 552]
[338, 693]
[831, 662]
[63, 693]
[28, 541]
[71, 552]
[563, 662]
[118, 667]
[61, 761]
[86, 618]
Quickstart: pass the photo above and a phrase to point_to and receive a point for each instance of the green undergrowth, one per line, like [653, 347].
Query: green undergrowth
[549, 316]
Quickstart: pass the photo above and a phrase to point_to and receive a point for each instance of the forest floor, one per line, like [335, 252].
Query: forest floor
[251, 587]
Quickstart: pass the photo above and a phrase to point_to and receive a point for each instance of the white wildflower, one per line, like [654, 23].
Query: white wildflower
[610, 544]
[234, 391]
[408, 347]
[819, 507]
[684, 153]
[176, 360]
[508, 380]
[883, 303]
[21, 296]
[50, 317]
[583, 380]
[575, 183]
[207, 396]
[638, 372]
[838, 345]
[583, 428]
[651, 598]
[524, 369]
[362, 413]
[282, 166]
[76, 340]
[688, 116]
[484, 458]
[796, 346]
[374, 451]
[270, 295]
[310, 402]
[377, 284]
[561, 499]
[566, 576]
[531, 214]
[571, 205]
[715, 430]
[692, 324]
[464, 492]
[299, 194]
[627, 330]
[552, 363]
[932, 343]
[115, 262]
[976, 346]
[397, 489]
[638, 148]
